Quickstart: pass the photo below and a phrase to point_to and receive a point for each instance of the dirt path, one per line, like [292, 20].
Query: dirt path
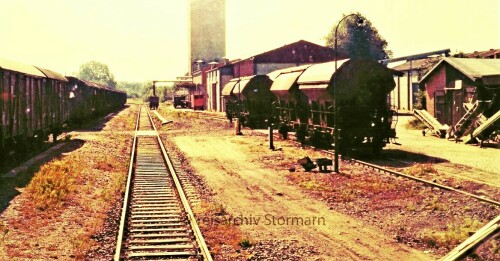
[268, 207]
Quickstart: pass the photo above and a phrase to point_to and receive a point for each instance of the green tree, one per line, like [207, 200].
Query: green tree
[358, 40]
[133, 89]
[97, 72]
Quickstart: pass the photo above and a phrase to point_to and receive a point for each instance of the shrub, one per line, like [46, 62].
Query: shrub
[454, 234]
[245, 243]
[51, 185]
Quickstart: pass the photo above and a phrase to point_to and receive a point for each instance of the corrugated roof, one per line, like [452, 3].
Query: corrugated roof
[476, 67]
[416, 64]
[482, 54]
[52, 75]
[228, 88]
[20, 67]
[319, 73]
[470, 67]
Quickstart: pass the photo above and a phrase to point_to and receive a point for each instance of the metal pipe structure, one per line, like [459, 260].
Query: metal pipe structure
[446, 52]
[335, 98]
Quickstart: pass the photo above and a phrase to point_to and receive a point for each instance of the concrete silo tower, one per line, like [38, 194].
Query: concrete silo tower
[207, 32]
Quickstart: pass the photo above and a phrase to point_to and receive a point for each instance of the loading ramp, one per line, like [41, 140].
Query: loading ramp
[466, 123]
[432, 124]
[485, 129]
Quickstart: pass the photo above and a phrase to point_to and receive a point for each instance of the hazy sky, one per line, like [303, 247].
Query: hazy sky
[147, 39]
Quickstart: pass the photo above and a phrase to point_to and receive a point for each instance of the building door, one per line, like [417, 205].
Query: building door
[439, 106]
[213, 97]
[458, 109]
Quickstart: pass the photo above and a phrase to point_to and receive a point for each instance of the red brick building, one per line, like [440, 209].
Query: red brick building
[454, 85]
[290, 55]
[294, 54]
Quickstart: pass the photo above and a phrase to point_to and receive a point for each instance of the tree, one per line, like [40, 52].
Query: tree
[97, 72]
[133, 89]
[358, 41]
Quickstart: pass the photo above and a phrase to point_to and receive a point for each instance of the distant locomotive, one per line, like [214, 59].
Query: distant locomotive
[36, 102]
[303, 102]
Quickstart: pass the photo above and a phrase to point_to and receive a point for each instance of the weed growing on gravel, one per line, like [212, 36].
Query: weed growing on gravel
[218, 233]
[245, 243]
[434, 204]
[421, 170]
[454, 234]
[4, 230]
[51, 185]
[81, 242]
[411, 207]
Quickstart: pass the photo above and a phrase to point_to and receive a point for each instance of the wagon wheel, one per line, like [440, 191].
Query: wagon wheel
[283, 130]
[377, 145]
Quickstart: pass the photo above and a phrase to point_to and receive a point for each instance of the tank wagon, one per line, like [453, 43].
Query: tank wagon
[36, 102]
[364, 116]
[250, 99]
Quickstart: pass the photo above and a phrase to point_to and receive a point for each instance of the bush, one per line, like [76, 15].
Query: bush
[245, 243]
[51, 185]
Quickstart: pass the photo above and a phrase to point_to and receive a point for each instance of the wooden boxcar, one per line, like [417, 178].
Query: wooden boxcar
[33, 104]
[36, 102]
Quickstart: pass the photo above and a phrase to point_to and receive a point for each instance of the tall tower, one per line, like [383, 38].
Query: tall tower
[207, 31]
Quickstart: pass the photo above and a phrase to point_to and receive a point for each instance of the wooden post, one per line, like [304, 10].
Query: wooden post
[237, 127]
[271, 138]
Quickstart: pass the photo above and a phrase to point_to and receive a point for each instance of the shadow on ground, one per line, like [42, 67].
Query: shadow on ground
[11, 187]
[397, 158]
[95, 125]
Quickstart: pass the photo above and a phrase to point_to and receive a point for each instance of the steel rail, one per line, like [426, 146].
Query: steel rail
[397, 173]
[192, 220]
[127, 191]
[157, 220]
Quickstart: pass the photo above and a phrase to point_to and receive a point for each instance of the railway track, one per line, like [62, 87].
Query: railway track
[156, 221]
[400, 174]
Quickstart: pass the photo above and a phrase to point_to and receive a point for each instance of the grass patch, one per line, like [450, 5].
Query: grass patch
[216, 232]
[415, 124]
[453, 235]
[421, 170]
[81, 242]
[52, 184]
[434, 204]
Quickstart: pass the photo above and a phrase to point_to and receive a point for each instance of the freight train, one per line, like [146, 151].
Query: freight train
[301, 100]
[36, 102]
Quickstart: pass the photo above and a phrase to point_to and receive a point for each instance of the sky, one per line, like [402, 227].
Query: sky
[144, 40]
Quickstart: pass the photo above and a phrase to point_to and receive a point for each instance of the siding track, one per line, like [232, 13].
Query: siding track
[157, 221]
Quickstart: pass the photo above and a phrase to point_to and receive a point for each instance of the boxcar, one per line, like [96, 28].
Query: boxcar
[33, 104]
